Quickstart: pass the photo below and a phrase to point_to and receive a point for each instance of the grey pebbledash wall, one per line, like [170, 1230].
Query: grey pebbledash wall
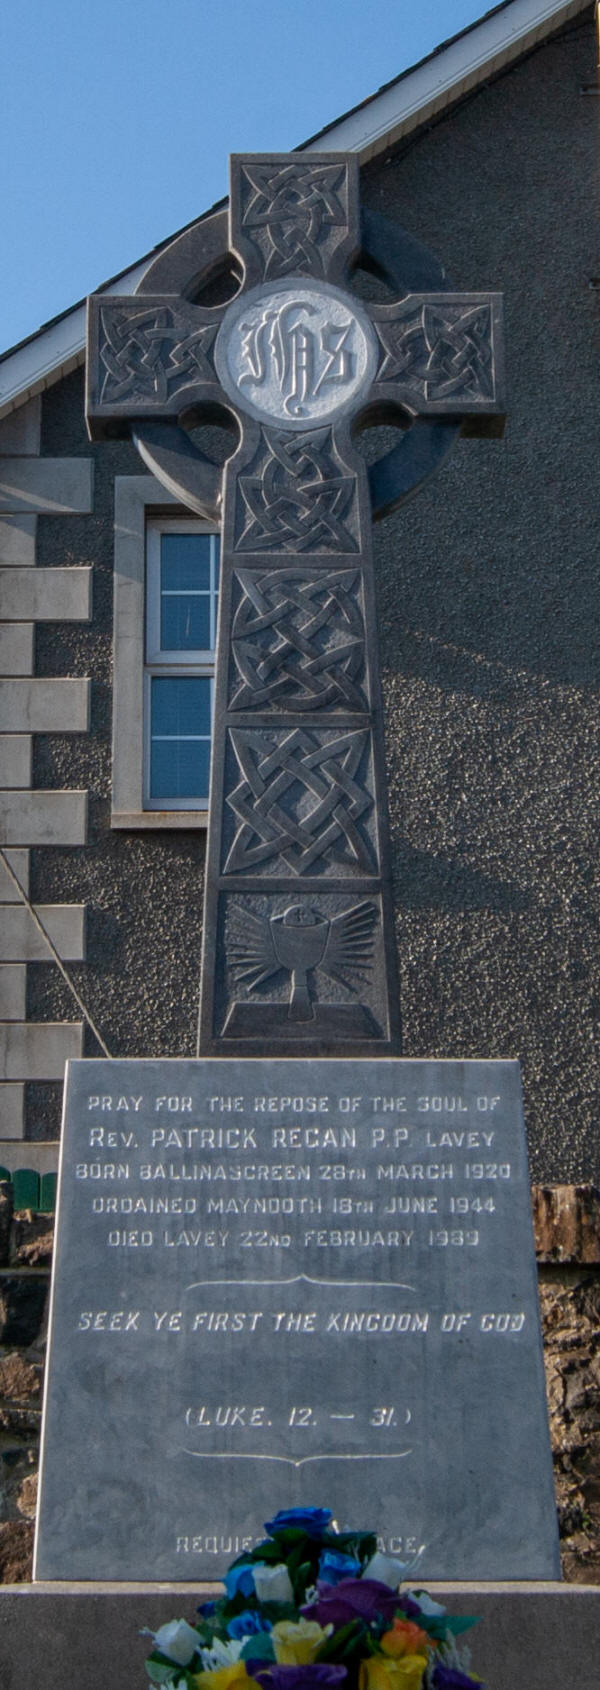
[488, 607]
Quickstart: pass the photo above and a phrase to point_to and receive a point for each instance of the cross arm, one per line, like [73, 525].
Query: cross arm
[149, 356]
[442, 355]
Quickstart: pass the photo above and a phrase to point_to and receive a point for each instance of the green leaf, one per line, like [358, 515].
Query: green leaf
[275, 1611]
[455, 1623]
[258, 1648]
[437, 1625]
[160, 1670]
[336, 1646]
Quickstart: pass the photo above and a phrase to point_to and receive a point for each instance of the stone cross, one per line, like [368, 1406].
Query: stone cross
[298, 944]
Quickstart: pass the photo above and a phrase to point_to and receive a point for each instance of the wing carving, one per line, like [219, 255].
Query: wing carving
[252, 950]
[349, 947]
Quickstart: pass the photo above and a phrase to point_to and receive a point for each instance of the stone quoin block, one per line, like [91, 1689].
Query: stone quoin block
[16, 649]
[12, 1116]
[13, 978]
[38, 1050]
[21, 940]
[44, 818]
[17, 540]
[19, 862]
[47, 486]
[44, 706]
[15, 760]
[46, 595]
[38, 1158]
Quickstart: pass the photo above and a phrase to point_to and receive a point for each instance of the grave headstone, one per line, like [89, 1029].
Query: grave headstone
[295, 1275]
[278, 1281]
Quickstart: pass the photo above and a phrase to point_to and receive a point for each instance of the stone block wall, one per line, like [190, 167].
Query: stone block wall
[570, 1309]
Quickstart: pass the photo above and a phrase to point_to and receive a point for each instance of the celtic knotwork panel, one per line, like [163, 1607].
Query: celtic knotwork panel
[440, 352]
[297, 496]
[295, 214]
[300, 967]
[303, 802]
[298, 641]
[151, 352]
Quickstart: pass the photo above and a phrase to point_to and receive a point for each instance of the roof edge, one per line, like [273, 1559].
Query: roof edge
[415, 97]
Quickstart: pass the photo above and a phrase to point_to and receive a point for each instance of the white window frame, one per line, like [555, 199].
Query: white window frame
[143, 509]
[160, 662]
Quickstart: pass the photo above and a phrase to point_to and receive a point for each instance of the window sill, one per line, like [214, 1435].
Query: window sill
[143, 819]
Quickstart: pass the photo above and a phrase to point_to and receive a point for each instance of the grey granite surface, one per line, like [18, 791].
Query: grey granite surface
[286, 1280]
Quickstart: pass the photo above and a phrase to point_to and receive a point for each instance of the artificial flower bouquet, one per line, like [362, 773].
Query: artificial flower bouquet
[312, 1608]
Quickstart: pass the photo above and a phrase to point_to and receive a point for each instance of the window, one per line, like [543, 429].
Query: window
[182, 584]
[165, 610]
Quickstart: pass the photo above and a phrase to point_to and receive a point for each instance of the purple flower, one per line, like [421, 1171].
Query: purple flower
[409, 1609]
[319, 1675]
[448, 1678]
[334, 1566]
[313, 1521]
[246, 1624]
[352, 1599]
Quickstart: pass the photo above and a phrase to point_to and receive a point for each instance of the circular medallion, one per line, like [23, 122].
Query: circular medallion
[297, 353]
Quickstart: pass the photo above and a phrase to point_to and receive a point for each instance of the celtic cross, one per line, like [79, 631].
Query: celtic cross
[298, 944]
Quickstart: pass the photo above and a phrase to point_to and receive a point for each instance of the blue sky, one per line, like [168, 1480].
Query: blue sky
[117, 117]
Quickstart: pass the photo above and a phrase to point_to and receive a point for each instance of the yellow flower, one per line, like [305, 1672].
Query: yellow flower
[296, 1642]
[381, 1673]
[232, 1677]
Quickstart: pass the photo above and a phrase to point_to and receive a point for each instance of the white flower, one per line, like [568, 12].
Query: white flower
[426, 1603]
[272, 1584]
[385, 1569]
[221, 1654]
[178, 1640]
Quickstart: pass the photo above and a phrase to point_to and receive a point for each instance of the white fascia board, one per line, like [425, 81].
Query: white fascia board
[446, 76]
[380, 123]
[55, 351]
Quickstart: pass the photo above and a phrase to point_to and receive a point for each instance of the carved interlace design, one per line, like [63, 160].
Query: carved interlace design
[297, 497]
[291, 210]
[300, 802]
[150, 352]
[298, 641]
[441, 353]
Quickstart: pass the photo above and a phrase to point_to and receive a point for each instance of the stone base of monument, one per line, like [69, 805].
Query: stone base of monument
[540, 1636]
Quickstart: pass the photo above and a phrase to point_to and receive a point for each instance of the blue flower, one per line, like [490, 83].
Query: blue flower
[313, 1521]
[246, 1624]
[239, 1580]
[333, 1566]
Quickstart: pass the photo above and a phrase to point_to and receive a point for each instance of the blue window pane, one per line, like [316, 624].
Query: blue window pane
[180, 705]
[185, 622]
[180, 768]
[185, 562]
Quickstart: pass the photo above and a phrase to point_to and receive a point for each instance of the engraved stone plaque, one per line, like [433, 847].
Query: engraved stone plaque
[281, 1282]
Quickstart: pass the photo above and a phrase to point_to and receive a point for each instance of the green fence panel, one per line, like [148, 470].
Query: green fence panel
[26, 1186]
[48, 1193]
